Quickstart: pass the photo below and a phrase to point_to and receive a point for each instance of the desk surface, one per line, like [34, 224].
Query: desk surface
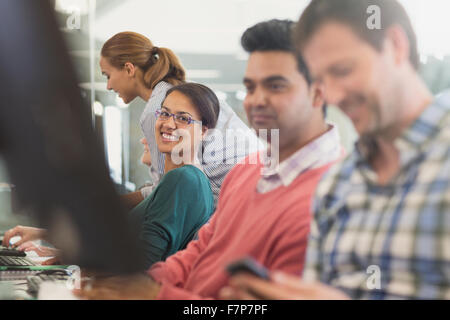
[14, 281]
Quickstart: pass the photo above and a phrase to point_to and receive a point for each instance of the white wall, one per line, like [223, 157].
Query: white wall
[194, 26]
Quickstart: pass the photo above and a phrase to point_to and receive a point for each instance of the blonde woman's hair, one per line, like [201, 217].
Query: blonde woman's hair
[157, 64]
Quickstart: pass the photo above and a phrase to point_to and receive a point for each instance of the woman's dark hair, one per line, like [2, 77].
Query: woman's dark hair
[354, 13]
[203, 98]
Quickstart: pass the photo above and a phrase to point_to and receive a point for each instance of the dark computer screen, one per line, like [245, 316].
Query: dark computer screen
[49, 146]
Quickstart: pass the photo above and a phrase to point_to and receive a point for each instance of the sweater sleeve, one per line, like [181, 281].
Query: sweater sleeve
[292, 245]
[168, 214]
[290, 248]
[173, 273]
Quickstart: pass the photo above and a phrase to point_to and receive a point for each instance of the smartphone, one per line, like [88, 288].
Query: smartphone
[248, 265]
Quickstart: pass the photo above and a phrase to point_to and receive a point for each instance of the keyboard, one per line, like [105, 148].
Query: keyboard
[34, 282]
[15, 262]
[11, 252]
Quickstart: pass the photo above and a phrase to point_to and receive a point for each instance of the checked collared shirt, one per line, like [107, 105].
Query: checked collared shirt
[388, 241]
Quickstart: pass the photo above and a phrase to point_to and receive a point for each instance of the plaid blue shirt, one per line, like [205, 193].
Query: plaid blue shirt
[390, 241]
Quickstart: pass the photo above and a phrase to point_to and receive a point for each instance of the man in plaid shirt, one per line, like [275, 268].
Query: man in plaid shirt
[381, 226]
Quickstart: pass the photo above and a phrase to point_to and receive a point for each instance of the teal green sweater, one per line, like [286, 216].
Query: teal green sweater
[172, 214]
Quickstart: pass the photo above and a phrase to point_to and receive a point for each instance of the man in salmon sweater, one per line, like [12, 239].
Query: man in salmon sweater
[262, 212]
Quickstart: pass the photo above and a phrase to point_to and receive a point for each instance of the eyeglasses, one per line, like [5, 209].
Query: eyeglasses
[181, 119]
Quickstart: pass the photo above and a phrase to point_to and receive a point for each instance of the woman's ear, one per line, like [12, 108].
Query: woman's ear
[130, 69]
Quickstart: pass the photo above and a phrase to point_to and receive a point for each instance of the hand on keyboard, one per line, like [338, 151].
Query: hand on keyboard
[41, 251]
[25, 233]
[11, 252]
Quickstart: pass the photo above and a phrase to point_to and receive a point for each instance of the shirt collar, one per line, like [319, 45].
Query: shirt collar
[162, 86]
[425, 128]
[412, 141]
[318, 152]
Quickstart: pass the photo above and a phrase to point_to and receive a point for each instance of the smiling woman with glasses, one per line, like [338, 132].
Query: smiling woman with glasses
[183, 200]
[134, 67]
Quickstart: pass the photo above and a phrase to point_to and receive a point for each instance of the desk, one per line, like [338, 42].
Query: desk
[14, 280]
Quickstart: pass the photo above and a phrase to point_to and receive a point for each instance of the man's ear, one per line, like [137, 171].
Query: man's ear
[397, 40]
[317, 90]
[130, 69]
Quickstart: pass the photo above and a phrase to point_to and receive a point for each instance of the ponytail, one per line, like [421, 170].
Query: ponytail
[163, 65]
[157, 64]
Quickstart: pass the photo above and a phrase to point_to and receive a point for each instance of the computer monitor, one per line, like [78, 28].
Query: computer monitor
[51, 152]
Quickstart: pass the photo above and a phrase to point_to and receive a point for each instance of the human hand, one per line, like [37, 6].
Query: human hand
[281, 287]
[129, 287]
[26, 234]
[41, 251]
[51, 262]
